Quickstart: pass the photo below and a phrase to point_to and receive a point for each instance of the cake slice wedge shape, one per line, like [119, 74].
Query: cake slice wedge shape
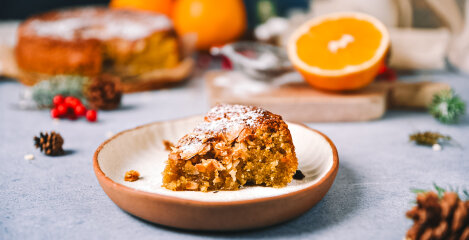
[234, 146]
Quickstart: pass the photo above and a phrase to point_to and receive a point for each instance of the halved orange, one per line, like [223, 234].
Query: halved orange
[339, 51]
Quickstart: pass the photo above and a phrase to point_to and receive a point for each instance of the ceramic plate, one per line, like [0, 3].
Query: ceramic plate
[142, 149]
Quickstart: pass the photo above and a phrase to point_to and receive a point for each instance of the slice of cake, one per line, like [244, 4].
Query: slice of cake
[234, 146]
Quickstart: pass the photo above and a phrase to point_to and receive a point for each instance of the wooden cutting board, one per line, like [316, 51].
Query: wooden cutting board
[297, 101]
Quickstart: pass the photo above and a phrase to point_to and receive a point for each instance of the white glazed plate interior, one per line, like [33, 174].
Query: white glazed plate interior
[142, 150]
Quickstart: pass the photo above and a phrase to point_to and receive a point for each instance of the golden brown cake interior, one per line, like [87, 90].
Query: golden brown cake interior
[158, 51]
[234, 146]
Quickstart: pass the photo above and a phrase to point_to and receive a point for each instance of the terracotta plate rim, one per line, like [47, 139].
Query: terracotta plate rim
[106, 180]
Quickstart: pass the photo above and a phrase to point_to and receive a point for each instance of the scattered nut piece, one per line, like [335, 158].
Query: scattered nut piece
[109, 134]
[131, 176]
[167, 145]
[28, 157]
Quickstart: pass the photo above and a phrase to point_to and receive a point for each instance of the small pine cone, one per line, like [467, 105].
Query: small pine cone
[449, 202]
[465, 234]
[103, 92]
[439, 219]
[460, 218]
[51, 144]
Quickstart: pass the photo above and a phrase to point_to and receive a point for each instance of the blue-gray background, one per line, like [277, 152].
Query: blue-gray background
[60, 198]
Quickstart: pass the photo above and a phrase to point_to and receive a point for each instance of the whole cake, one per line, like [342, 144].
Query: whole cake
[234, 146]
[91, 40]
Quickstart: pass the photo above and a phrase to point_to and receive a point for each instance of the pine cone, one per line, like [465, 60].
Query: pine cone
[435, 218]
[103, 92]
[50, 144]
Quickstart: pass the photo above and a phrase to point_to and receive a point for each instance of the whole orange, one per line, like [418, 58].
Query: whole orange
[160, 6]
[214, 22]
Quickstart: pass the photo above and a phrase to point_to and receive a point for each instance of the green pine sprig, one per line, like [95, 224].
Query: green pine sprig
[418, 190]
[441, 191]
[429, 138]
[66, 85]
[447, 107]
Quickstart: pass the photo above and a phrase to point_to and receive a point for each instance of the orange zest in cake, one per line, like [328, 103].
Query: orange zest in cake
[234, 146]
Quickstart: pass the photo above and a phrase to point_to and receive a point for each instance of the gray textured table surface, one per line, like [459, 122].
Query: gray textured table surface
[60, 198]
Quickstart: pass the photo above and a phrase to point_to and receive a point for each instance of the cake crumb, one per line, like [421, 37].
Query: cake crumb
[436, 147]
[298, 175]
[109, 134]
[28, 157]
[167, 145]
[131, 176]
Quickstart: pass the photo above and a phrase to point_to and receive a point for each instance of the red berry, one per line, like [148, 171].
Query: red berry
[62, 109]
[54, 113]
[387, 73]
[91, 115]
[68, 99]
[80, 110]
[382, 69]
[226, 63]
[72, 101]
[58, 99]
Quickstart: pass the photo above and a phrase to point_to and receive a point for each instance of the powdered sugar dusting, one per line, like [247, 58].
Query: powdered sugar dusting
[223, 119]
[99, 23]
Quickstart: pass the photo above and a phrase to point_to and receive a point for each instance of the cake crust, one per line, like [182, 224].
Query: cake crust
[234, 146]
